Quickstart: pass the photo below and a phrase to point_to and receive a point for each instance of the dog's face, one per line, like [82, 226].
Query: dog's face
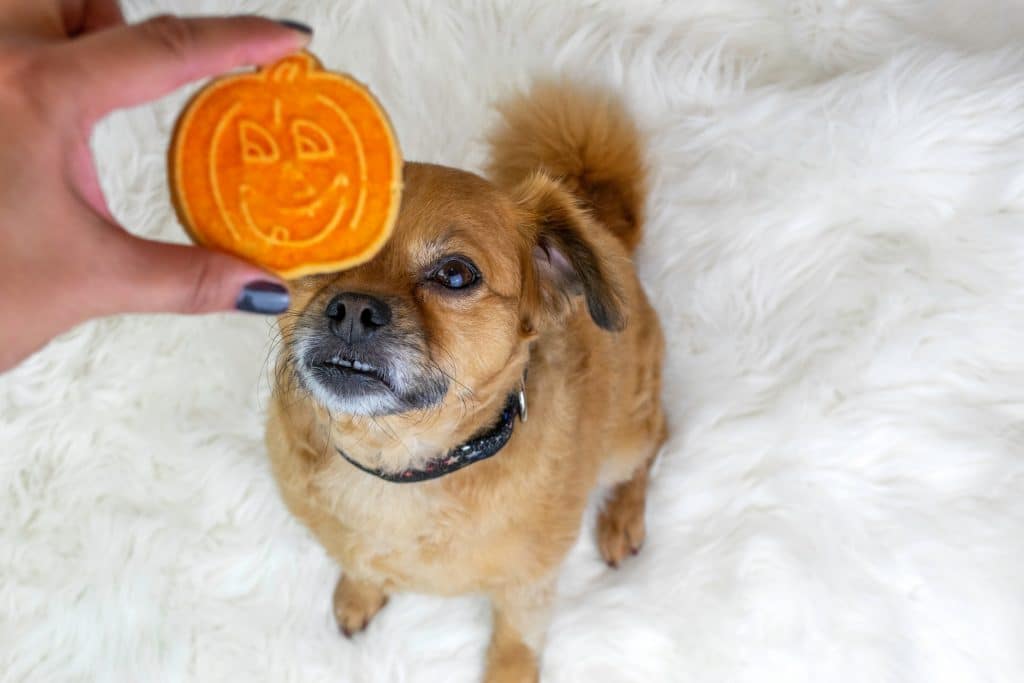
[446, 311]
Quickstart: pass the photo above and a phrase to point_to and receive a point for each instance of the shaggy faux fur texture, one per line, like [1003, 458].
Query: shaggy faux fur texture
[836, 246]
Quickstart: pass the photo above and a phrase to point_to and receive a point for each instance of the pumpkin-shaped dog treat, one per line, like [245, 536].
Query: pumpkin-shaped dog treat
[290, 167]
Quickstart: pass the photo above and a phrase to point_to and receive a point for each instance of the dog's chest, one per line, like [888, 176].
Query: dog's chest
[410, 536]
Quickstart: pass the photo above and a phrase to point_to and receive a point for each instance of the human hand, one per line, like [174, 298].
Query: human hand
[63, 258]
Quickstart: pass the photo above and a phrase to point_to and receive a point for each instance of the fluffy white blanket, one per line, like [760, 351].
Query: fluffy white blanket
[836, 247]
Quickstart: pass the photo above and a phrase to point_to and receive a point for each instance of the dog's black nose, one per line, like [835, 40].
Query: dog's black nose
[356, 316]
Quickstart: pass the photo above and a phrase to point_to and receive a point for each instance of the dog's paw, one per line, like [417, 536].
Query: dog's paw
[620, 527]
[525, 672]
[511, 663]
[355, 604]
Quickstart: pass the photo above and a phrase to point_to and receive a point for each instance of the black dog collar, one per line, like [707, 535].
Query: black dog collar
[478, 448]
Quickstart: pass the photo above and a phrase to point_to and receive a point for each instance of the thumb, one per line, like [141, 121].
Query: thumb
[175, 278]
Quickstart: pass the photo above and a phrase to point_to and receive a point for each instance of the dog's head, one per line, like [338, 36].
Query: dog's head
[445, 313]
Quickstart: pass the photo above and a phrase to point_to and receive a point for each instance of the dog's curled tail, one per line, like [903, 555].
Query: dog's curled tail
[582, 136]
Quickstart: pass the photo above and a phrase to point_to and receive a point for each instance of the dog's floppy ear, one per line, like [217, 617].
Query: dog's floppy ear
[569, 254]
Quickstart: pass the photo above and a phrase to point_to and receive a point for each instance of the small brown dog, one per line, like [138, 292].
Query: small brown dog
[398, 431]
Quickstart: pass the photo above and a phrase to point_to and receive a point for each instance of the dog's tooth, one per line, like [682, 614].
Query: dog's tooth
[344, 363]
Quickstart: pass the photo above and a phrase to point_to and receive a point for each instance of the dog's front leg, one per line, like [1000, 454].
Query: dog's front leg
[356, 603]
[521, 616]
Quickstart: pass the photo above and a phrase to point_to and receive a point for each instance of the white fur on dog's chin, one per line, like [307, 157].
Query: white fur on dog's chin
[836, 247]
[363, 406]
[360, 406]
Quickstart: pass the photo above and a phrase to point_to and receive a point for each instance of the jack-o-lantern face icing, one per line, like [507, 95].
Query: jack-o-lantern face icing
[291, 167]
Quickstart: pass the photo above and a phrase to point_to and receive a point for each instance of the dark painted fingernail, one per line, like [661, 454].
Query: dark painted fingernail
[264, 297]
[296, 26]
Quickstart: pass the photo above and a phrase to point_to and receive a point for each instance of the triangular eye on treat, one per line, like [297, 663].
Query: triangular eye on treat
[291, 167]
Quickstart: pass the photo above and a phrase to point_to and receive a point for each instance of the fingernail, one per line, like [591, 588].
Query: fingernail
[264, 297]
[296, 26]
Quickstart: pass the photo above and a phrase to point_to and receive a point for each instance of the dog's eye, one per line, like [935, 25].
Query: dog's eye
[456, 273]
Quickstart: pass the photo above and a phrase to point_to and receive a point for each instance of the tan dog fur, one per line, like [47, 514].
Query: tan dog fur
[567, 175]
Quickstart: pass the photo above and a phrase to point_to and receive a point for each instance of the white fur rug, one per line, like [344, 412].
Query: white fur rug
[836, 246]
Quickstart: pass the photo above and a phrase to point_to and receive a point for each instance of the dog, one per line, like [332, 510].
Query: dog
[443, 413]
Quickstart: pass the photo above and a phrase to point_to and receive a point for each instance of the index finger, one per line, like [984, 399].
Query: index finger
[132, 64]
